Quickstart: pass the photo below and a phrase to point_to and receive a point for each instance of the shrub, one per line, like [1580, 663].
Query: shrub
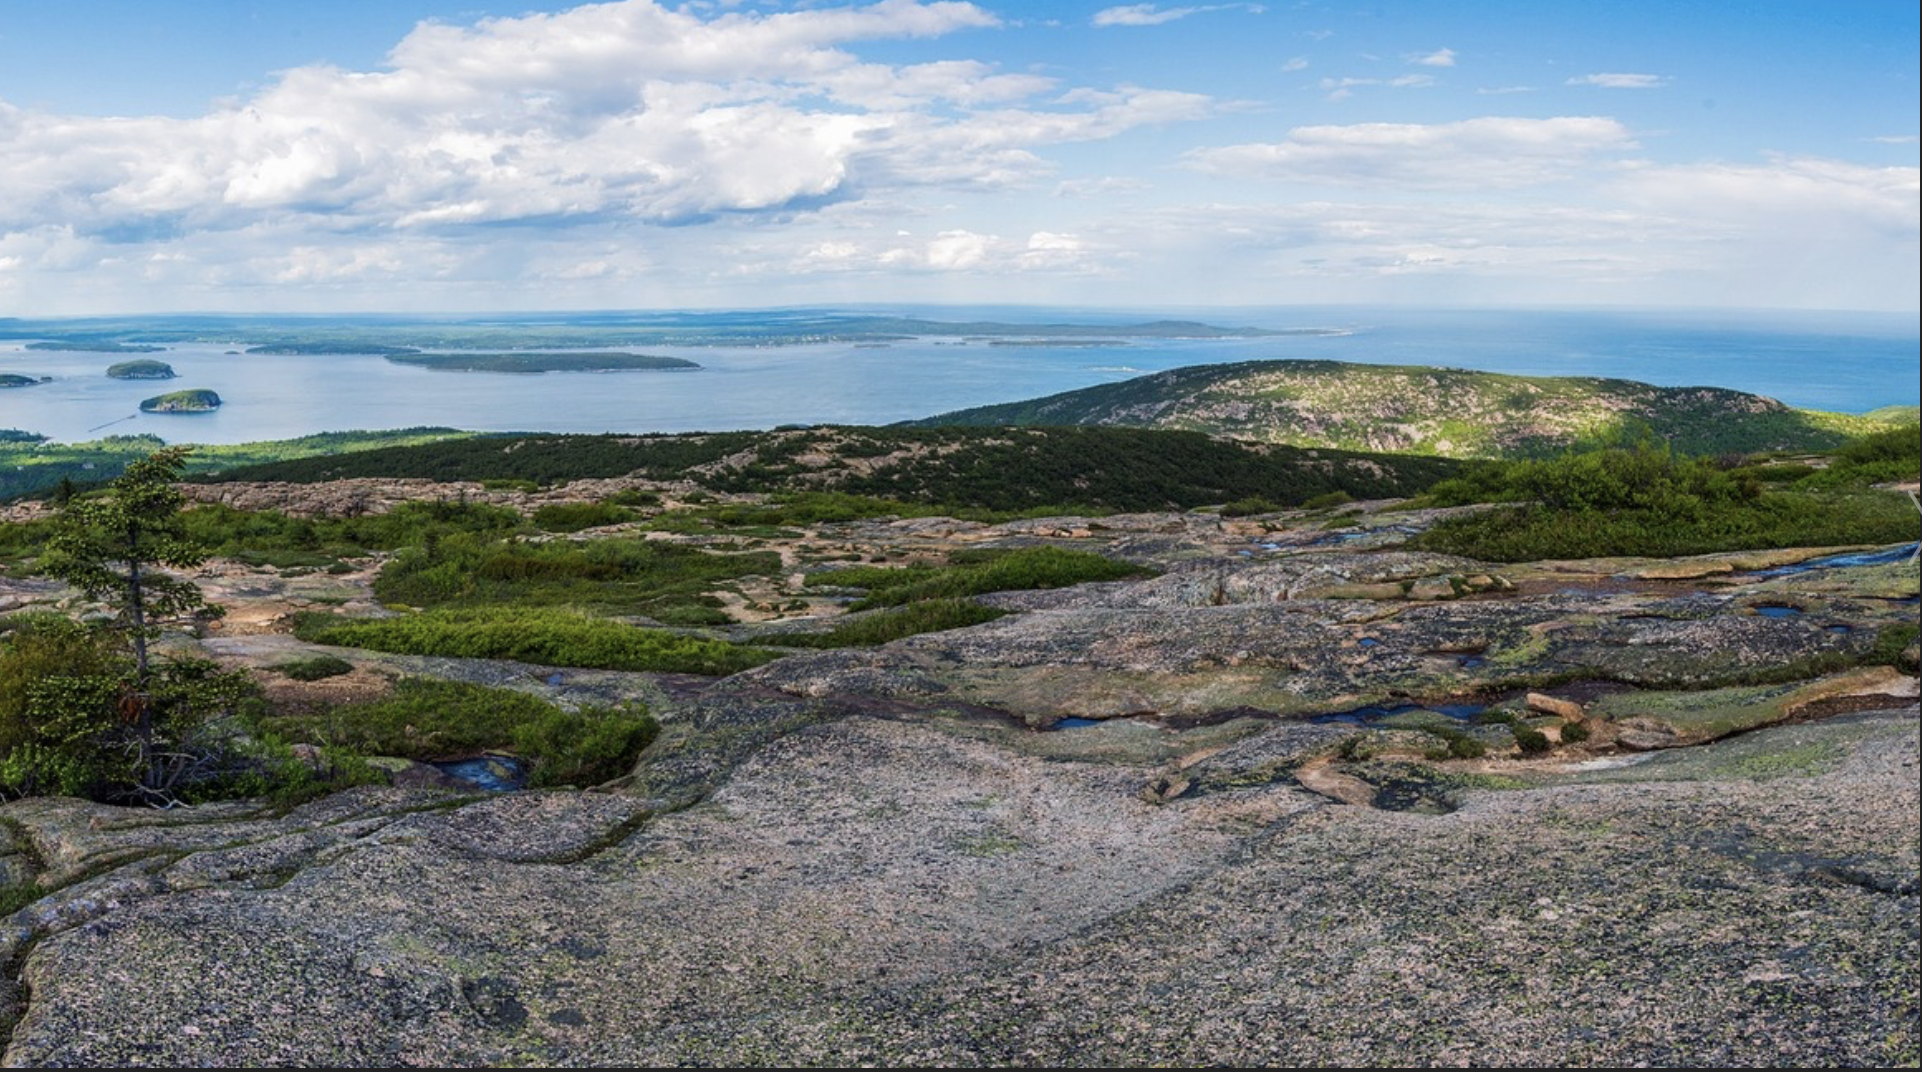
[978, 572]
[928, 616]
[75, 736]
[1329, 501]
[573, 517]
[429, 719]
[1574, 733]
[315, 668]
[1530, 740]
[1254, 504]
[545, 637]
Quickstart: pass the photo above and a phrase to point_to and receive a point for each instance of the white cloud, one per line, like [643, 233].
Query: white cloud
[1805, 196]
[1473, 153]
[1620, 81]
[1297, 63]
[623, 110]
[1154, 15]
[1441, 57]
[1793, 232]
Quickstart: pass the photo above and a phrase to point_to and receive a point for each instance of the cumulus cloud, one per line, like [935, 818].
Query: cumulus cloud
[1797, 232]
[1473, 153]
[1441, 57]
[951, 252]
[1154, 15]
[1805, 195]
[1620, 81]
[614, 111]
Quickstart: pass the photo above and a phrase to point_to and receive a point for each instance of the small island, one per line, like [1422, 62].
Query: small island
[517, 362]
[93, 346]
[14, 379]
[198, 400]
[143, 369]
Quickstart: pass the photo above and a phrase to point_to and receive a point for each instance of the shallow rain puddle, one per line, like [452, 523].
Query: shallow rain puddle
[1362, 716]
[495, 774]
[1777, 610]
[1853, 558]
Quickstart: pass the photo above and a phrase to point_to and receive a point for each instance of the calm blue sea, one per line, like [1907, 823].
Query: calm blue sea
[1845, 362]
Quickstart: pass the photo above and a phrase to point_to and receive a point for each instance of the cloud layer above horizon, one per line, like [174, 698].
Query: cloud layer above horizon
[631, 154]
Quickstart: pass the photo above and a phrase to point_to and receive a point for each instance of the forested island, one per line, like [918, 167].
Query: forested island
[386, 336]
[198, 400]
[14, 379]
[94, 346]
[145, 369]
[522, 362]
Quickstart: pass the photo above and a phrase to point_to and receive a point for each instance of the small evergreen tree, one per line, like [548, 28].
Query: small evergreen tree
[90, 728]
[110, 547]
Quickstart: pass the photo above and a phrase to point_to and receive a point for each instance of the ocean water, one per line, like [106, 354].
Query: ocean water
[1841, 362]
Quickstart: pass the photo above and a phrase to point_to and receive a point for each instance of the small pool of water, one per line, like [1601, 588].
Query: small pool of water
[1362, 716]
[493, 773]
[1778, 610]
[1471, 662]
[1369, 642]
[1853, 558]
[1073, 723]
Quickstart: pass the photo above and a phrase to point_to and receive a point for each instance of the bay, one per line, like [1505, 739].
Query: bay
[1843, 362]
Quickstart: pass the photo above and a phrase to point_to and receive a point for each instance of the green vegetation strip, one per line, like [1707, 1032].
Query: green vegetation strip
[932, 616]
[1020, 471]
[667, 582]
[1646, 502]
[978, 572]
[544, 637]
[29, 465]
[525, 362]
[428, 719]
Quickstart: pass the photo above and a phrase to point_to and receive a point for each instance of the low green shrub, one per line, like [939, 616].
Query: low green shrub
[928, 616]
[545, 637]
[1328, 501]
[429, 719]
[573, 517]
[1254, 504]
[315, 668]
[1574, 733]
[1892, 644]
[1530, 740]
[664, 581]
[978, 572]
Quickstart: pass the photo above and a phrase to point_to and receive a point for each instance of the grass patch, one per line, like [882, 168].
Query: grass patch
[978, 572]
[573, 517]
[664, 581]
[316, 668]
[929, 616]
[427, 718]
[547, 637]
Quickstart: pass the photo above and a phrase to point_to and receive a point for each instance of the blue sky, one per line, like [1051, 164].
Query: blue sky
[394, 155]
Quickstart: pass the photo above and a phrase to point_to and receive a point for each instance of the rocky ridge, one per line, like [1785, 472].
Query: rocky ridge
[1202, 818]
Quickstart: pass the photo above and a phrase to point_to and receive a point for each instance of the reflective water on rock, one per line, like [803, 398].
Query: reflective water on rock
[493, 773]
[1853, 558]
[1362, 716]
